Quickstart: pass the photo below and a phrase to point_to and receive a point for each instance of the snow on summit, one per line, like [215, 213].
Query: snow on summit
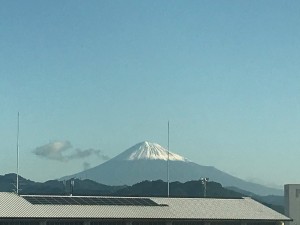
[149, 151]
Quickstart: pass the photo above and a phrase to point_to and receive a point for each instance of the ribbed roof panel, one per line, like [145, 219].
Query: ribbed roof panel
[14, 206]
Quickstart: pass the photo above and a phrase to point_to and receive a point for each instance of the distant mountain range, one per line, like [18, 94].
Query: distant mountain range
[148, 161]
[192, 189]
[55, 187]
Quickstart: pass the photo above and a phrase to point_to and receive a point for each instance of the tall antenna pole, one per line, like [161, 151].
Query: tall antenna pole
[168, 171]
[18, 131]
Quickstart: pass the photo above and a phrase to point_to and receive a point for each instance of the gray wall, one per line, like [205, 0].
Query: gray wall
[292, 203]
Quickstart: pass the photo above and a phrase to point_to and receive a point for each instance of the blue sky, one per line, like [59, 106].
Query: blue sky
[105, 75]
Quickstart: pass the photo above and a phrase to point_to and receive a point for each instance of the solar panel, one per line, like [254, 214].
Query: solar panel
[71, 200]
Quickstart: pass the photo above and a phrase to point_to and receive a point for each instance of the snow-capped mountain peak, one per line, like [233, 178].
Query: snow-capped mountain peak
[149, 151]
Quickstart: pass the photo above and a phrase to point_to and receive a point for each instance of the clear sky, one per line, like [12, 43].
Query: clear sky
[92, 78]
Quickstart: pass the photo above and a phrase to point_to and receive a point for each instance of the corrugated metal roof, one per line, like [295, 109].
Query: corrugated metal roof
[14, 206]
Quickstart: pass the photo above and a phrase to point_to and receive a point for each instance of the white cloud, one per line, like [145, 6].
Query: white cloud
[55, 151]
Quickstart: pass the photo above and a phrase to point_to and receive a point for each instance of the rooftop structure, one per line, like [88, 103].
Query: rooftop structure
[292, 202]
[82, 210]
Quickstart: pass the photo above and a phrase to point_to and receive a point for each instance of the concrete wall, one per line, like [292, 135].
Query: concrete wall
[292, 203]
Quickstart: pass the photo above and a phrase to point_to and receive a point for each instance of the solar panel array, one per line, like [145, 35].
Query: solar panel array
[66, 200]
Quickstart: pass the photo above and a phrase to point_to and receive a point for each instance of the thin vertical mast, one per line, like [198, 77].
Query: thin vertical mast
[18, 131]
[168, 172]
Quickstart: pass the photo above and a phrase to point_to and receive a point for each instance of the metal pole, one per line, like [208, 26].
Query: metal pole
[18, 130]
[72, 187]
[168, 170]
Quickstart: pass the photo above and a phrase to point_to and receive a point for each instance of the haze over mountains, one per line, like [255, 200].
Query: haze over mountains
[148, 161]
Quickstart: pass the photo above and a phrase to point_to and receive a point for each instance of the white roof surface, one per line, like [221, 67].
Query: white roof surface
[14, 206]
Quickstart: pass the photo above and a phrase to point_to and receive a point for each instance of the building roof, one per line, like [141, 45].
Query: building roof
[15, 206]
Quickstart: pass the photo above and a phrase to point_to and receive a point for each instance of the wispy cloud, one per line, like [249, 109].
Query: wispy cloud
[78, 154]
[56, 151]
[86, 166]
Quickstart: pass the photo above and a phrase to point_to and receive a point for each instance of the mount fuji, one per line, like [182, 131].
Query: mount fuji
[148, 161]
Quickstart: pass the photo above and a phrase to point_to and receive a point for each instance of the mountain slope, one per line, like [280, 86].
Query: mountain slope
[148, 161]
